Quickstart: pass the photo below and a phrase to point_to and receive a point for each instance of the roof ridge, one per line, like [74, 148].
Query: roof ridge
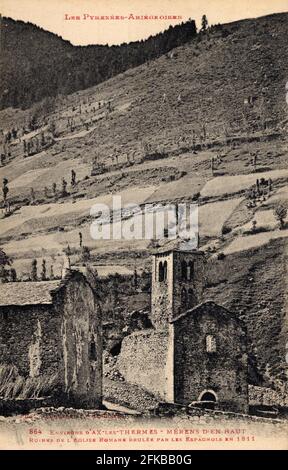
[202, 304]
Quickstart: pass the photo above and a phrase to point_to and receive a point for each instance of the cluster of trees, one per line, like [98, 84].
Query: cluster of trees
[83, 251]
[42, 64]
[7, 272]
[53, 192]
[47, 194]
[260, 192]
[280, 214]
[37, 143]
[43, 274]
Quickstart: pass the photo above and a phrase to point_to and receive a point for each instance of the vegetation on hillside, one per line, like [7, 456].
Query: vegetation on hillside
[41, 64]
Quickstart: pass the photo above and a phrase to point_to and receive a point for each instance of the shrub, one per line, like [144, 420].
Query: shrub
[280, 214]
[226, 229]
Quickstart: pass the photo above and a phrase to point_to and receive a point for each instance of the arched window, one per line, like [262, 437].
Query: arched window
[161, 272]
[92, 349]
[184, 270]
[208, 398]
[183, 298]
[190, 271]
[191, 298]
[165, 270]
[211, 346]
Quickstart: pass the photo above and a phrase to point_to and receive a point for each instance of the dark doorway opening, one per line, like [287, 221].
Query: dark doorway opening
[116, 349]
[92, 350]
[208, 400]
[208, 396]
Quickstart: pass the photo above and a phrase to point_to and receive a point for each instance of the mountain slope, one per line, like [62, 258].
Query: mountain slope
[41, 64]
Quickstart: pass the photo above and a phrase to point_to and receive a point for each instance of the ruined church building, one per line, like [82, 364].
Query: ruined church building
[195, 351]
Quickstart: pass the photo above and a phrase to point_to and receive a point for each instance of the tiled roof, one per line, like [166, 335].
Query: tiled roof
[27, 293]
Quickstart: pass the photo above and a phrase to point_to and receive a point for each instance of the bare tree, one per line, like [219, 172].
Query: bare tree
[34, 270]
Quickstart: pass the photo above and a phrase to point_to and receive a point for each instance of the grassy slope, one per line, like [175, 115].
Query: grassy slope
[254, 285]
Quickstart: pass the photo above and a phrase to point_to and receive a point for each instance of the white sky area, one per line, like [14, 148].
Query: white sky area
[50, 15]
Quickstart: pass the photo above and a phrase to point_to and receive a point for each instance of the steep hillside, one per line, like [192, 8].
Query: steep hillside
[200, 93]
[253, 284]
[41, 64]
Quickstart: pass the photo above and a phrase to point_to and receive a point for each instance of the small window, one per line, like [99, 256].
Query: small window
[162, 276]
[211, 344]
[165, 271]
[184, 270]
[190, 271]
[92, 350]
[191, 298]
[161, 272]
[184, 298]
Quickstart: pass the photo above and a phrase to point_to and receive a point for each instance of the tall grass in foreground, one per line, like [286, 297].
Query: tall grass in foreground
[13, 385]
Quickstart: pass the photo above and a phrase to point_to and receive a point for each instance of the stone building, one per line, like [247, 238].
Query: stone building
[209, 358]
[52, 329]
[177, 284]
[196, 351]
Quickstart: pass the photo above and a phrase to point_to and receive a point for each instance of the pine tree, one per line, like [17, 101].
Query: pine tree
[51, 272]
[73, 178]
[13, 275]
[64, 186]
[67, 250]
[43, 272]
[85, 254]
[46, 194]
[4, 262]
[204, 23]
[5, 189]
[280, 214]
[135, 278]
[34, 270]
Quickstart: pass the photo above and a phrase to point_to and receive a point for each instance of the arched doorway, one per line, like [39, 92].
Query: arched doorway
[208, 398]
[116, 349]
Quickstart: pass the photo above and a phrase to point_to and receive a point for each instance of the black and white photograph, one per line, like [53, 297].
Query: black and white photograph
[143, 225]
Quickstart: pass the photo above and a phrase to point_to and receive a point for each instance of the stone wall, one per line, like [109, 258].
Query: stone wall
[62, 340]
[268, 396]
[193, 287]
[162, 292]
[143, 361]
[224, 372]
[29, 339]
[80, 336]
[213, 418]
[167, 295]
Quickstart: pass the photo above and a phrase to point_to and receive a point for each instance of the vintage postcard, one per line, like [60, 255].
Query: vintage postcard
[143, 224]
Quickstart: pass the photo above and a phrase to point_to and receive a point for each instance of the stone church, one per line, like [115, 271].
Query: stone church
[53, 330]
[196, 351]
